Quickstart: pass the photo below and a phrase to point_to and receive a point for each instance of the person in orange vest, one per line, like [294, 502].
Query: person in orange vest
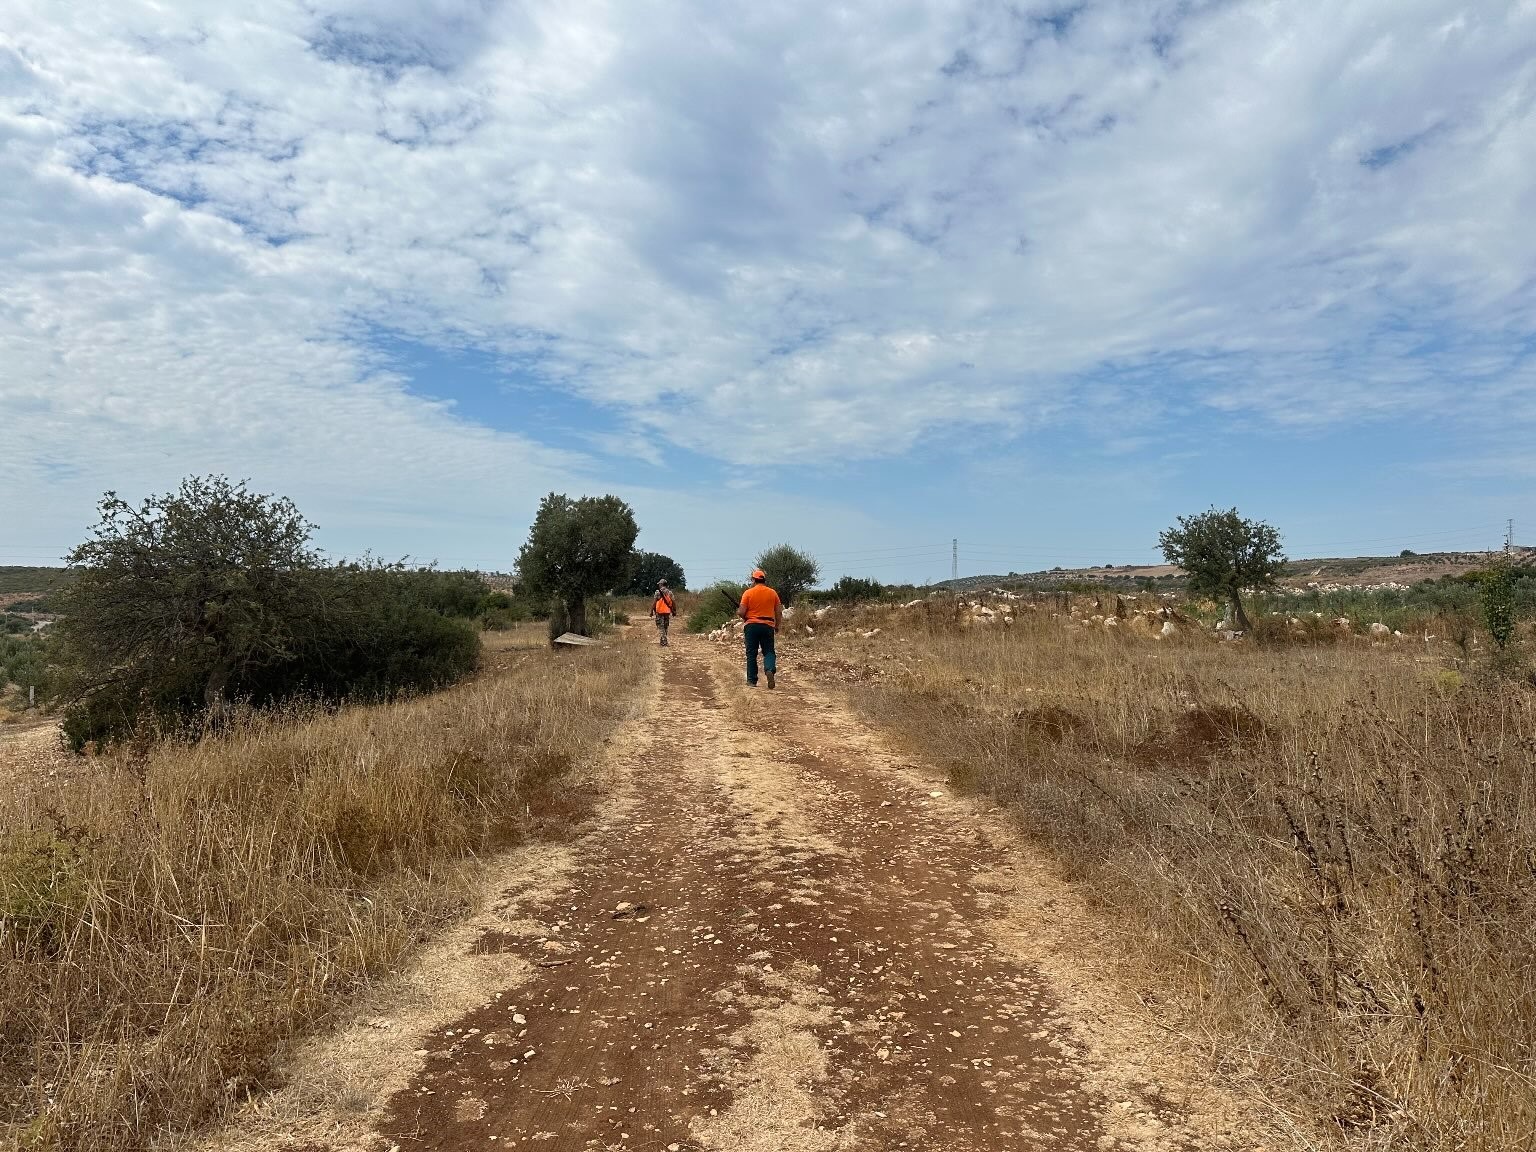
[663, 608]
[763, 611]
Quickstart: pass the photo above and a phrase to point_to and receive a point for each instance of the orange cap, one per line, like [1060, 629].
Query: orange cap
[759, 574]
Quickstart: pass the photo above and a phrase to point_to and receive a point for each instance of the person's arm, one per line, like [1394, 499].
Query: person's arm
[741, 609]
[778, 614]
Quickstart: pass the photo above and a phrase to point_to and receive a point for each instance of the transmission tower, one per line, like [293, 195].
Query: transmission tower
[954, 558]
[1509, 534]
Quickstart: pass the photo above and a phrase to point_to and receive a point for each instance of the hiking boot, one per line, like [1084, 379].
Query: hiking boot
[770, 679]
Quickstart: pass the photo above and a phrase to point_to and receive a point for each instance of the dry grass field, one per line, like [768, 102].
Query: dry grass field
[173, 917]
[1325, 853]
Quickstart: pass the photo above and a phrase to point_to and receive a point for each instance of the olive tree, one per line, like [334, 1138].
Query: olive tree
[789, 571]
[173, 600]
[1222, 554]
[212, 593]
[576, 549]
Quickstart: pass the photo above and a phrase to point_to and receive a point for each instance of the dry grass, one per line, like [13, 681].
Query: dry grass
[1333, 847]
[172, 919]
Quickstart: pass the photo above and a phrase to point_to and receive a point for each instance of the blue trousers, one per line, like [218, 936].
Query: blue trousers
[759, 636]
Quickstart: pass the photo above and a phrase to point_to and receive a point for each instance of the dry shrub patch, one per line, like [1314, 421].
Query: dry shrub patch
[1332, 847]
[171, 919]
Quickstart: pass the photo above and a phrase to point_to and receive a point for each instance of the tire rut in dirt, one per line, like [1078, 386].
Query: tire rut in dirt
[603, 1046]
[942, 1041]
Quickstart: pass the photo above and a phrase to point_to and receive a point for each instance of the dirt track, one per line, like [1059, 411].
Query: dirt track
[774, 938]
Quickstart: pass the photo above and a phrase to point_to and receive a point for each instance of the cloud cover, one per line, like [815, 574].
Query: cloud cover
[798, 232]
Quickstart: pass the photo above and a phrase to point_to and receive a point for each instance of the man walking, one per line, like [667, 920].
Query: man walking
[763, 611]
[663, 608]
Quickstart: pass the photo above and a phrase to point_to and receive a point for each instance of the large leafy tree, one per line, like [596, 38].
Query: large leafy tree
[1222, 554]
[213, 593]
[576, 549]
[182, 596]
[649, 567]
[789, 571]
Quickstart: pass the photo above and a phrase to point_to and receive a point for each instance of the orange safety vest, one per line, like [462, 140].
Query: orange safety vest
[664, 605]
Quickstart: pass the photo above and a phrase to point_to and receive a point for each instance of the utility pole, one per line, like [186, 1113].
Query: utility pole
[954, 558]
[1509, 535]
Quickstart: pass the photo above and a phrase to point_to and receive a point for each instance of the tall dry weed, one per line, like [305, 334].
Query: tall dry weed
[1333, 848]
[169, 922]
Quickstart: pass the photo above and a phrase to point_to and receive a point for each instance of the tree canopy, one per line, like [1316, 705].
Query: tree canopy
[213, 593]
[649, 567]
[789, 571]
[1222, 554]
[576, 549]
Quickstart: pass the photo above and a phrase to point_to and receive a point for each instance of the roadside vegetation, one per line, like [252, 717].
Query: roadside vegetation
[294, 765]
[212, 597]
[716, 605]
[24, 671]
[1325, 845]
[170, 921]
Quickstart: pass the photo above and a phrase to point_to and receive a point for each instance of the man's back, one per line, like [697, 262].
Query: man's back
[760, 604]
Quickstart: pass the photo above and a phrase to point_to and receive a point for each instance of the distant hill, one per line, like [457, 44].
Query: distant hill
[19, 579]
[1339, 571]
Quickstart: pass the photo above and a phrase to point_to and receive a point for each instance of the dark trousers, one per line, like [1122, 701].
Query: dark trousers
[759, 636]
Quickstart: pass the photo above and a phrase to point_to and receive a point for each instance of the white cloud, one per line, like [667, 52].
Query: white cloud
[790, 232]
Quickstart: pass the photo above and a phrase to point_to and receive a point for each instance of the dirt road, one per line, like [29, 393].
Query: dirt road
[775, 938]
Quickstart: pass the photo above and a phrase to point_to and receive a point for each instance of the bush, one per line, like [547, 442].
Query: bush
[41, 604]
[24, 662]
[717, 606]
[853, 590]
[211, 595]
[1499, 603]
[498, 612]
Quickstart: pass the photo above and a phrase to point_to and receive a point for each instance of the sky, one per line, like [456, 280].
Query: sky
[865, 277]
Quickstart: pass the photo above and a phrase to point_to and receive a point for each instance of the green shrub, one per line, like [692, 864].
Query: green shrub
[24, 663]
[716, 606]
[853, 590]
[211, 595]
[499, 611]
[1498, 596]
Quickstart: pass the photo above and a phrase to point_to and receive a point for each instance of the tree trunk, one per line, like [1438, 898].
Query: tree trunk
[576, 615]
[1239, 617]
[218, 680]
[558, 624]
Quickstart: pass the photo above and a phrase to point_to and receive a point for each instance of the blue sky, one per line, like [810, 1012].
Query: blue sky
[866, 278]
